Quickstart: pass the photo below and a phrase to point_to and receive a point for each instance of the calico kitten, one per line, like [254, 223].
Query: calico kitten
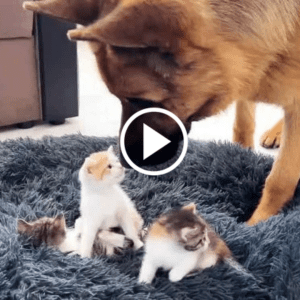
[182, 241]
[103, 202]
[54, 233]
[49, 231]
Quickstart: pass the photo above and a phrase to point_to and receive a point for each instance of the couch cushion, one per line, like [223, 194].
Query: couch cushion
[19, 93]
[14, 20]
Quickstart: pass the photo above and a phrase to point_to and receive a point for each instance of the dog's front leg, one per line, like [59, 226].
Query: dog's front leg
[282, 181]
[244, 124]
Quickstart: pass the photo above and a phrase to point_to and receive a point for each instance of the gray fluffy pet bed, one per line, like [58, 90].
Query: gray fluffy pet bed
[39, 178]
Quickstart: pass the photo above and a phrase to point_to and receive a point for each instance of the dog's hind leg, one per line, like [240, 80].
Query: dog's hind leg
[244, 124]
[283, 179]
[272, 137]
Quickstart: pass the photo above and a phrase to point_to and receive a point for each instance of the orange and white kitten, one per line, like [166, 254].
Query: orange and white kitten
[103, 202]
[54, 233]
[182, 242]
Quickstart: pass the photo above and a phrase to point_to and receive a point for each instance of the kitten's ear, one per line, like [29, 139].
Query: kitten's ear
[191, 207]
[23, 226]
[60, 221]
[89, 170]
[87, 165]
[110, 150]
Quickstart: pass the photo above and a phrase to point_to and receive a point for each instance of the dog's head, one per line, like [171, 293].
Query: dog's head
[154, 53]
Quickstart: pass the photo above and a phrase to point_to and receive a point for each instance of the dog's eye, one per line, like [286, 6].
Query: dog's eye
[109, 166]
[120, 50]
[129, 50]
[168, 56]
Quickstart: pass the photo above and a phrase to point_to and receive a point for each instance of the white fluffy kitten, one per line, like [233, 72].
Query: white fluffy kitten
[103, 202]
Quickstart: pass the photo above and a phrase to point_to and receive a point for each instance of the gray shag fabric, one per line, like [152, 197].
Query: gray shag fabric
[39, 178]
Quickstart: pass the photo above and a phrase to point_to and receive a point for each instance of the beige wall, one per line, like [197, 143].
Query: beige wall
[19, 92]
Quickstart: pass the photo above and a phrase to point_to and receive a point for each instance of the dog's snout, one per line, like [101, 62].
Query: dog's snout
[142, 103]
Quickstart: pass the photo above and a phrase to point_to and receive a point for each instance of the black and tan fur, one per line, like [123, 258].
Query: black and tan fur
[194, 58]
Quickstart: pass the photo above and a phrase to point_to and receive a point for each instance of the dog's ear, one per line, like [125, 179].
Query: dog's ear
[76, 11]
[139, 25]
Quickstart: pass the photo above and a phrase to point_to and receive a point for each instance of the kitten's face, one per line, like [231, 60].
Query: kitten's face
[51, 231]
[185, 226]
[104, 167]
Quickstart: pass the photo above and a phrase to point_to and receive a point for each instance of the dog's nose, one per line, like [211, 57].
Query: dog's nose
[134, 137]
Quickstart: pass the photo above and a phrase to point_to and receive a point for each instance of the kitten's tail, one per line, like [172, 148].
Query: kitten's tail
[237, 266]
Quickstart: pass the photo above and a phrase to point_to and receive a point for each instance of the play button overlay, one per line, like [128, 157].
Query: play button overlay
[153, 141]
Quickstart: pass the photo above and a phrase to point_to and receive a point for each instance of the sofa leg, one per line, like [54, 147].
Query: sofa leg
[57, 122]
[26, 125]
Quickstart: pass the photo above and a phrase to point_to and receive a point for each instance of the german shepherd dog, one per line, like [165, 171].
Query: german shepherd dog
[194, 58]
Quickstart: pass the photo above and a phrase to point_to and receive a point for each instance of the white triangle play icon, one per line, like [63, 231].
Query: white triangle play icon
[152, 141]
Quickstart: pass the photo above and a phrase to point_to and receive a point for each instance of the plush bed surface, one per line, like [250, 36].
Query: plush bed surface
[39, 178]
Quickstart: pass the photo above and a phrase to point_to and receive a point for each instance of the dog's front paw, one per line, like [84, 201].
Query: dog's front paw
[266, 208]
[272, 137]
[257, 217]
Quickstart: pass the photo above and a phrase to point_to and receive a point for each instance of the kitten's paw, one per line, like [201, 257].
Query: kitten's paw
[175, 276]
[86, 254]
[128, 243]
[145, 280]
[138, 244]
[147, 271]
[75, 252]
